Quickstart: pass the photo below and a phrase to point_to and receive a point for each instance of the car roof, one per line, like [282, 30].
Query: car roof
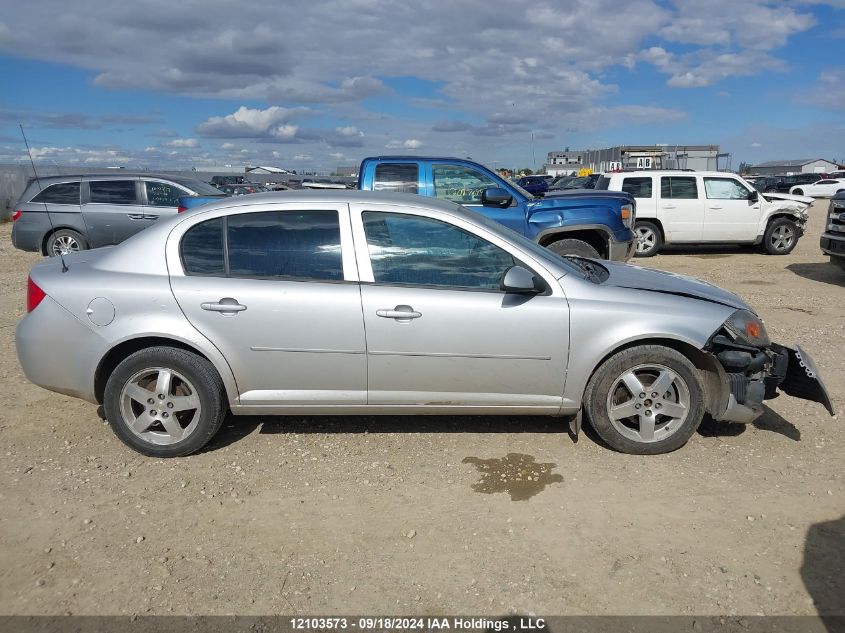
[110, 176]
[668, 172]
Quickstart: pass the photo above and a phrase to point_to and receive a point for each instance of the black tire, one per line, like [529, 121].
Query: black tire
[573, 247]
[669, 434]
[643, 230]
[73, 240]
[798, 192]
[781, 236]
[202, 379]
[771, 190]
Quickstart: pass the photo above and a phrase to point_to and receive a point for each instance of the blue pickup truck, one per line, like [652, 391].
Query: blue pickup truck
[583, 222]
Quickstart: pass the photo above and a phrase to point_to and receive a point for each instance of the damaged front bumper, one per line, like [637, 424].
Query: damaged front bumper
[751, 376]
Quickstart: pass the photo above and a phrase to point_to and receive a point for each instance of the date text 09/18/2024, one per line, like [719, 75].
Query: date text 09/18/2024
[418, 623]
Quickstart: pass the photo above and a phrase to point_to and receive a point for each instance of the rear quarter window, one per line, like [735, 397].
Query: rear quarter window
[60, 193]
[201, 249]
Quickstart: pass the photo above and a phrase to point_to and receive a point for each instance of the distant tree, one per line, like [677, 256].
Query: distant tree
[744, 167]
[525, 171]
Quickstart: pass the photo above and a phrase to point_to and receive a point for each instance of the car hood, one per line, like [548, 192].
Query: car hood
[555, 199]
[771, 197]
[638, 278]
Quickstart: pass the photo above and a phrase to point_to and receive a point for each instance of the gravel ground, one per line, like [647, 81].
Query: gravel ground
[406, 515]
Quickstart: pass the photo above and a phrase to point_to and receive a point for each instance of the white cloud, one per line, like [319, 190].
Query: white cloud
[182, 142]
[252, 122]
[410, 143]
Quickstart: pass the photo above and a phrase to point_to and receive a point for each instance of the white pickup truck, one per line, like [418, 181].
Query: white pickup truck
[706, 207]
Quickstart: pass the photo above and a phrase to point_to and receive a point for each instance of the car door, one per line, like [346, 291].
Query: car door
[680, 209]
[439, 330]
[280, 301]
[731, 214]
[161, 199]
[464, 185]
[112, 210]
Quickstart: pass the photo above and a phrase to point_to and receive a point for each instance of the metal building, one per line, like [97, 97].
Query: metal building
[799, 166]
[698, 157]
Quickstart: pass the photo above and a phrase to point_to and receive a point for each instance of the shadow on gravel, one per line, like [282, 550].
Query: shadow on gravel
[712, 251]
[823, 571]
[769, 421]
[826, 273]
[237, 427]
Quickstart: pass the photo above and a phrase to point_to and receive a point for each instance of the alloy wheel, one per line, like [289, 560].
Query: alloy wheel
[648, 403]
[66, 244]
[646, 239]
[160, 405]
[782, 238]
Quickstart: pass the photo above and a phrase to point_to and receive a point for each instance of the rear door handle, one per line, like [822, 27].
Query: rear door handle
[668, 206]
[226, 306]
[400, 313]
[136, 216]
[715, 207]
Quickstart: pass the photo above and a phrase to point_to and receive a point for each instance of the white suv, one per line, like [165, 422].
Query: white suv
[702, 207]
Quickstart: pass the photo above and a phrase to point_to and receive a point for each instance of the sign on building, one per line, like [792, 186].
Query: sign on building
[644, 162]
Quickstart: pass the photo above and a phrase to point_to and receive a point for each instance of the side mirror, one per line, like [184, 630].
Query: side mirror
[753, 196]
[496, 197]
[518, 280]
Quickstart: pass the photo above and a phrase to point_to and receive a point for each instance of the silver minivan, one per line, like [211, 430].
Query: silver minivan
[63, 214]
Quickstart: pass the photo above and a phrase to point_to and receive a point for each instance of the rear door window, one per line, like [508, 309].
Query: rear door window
[637, 187]
[678, 187]
[60, 193]
[398, 177]
[113, 192]
[162, 194]
[274, 244]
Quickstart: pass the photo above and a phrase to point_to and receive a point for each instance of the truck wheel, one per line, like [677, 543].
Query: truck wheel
[645, 400]
[780, 237]
[649, 239]
[64, 242]
[573, 247]
[165, 402]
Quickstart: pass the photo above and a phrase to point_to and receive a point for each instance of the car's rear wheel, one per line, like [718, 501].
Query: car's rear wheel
[781, 236]
[64, 242]
[645, 400]
[573, 247]
[165, 402]
[649, 239]
[798, 192]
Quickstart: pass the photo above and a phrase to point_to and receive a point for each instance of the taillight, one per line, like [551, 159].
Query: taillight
[34, 295]
[181, 209]
[18, 213]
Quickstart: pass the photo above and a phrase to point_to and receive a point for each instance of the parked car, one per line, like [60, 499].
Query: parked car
[376, 303]
[582, 182]
[535, 185]
[63, 214]
[576, 223]
[833, 239]
[683, 207]
[227, 180]
[820, 189]
[560, 183]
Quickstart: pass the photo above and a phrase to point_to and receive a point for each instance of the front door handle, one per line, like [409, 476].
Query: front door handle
[715, 207]
[136, 216]
[400, 313]
[226, 306]
[668, 206]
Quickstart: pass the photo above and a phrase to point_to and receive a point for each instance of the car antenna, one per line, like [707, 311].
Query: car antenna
[38, 182]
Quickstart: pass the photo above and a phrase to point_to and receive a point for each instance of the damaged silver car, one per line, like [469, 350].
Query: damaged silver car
[344, 302]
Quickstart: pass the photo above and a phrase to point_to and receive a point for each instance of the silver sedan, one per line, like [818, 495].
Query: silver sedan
[344, 302]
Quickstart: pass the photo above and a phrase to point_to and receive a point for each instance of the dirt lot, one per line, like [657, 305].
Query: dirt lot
[387, 515]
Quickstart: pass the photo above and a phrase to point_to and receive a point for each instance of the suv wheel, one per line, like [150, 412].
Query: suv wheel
[780, 237]
[64, 242]
[573, 247]
[645, 400]
[649, 239]
[164, 402]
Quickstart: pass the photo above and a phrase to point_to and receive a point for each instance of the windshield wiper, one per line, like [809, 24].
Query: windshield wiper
[593, 271]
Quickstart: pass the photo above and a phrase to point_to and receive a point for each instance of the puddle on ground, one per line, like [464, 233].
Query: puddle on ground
[517, 474]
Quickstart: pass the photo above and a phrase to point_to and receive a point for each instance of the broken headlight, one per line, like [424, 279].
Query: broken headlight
[746, 328]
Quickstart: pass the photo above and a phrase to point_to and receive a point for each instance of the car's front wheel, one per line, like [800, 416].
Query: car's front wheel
[781, 236]
[165, 402]
[570, 246]
[645, 400]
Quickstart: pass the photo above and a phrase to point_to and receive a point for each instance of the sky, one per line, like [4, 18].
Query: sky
[313, 85]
